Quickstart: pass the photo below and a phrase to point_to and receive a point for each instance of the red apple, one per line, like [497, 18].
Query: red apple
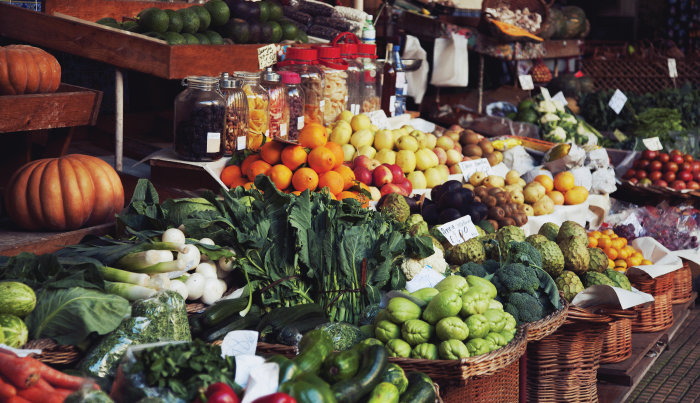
[634, 180]
[696, 176]
[678, 185]
[391, 188]
[676, 152]
[685, 176]
[655, 166]
[671, 167]
[663, 157]
[688, 158]
[686, 167]
[407, 186]
[363, 174]
[649, 155]
[397, 173]
[382, 175]
[677, 158]
[363, 161]
[640, 174]
[670, 176]
[643, 164]
[655, 175]
[696, 166]
[692, 185]
[441, 154]
[629, 174]
[662, 183]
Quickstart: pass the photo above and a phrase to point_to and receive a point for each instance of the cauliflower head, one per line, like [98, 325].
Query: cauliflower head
[557, 135]
[569, 118]
[549, 117]
[546, 107]
[411, 267]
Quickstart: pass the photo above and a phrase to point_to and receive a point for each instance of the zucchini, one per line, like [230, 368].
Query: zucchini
[223, 309]
[241, 323]
[195, 322]
[289, 334]
[288, 369]
[340, 365]
[420, 389]
[278, 318]
[372, 367]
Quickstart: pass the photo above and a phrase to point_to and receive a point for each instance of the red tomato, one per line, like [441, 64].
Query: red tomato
[275, 398]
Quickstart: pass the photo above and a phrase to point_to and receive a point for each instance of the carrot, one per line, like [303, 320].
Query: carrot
[6, 389]
[36, 395]
[17, 399]
[60, 380]
[22, 372]
[64, 393]
[43, 385]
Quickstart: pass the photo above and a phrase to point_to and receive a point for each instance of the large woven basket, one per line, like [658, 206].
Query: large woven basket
[52, 353]
[458, 372]
[562, 367]
[501, 387]
[617, 343]
[549, 324]
[659, 315]
[271, 349]
[682, 284]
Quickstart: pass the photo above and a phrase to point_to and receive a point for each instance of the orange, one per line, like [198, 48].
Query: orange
[604, 242]
[594, 234]
[230, 173]
[271, 152]
[613, 236]
[313, 135]
[281, 176]
[639, 255]
[646, 262]
[321, 159]
[611, 264]
[623, 254]
[296, 192]
[333, 196]
[557, 197]
[633, 261]
[338, 152]
[546, 181]
[249, 185]
[616, 244]
[353, 195]
[564, 181]
[592, 242]
[294, 156]
[608, 232]
[258, 168]
[577, 195]
[620, 264]
[348, 176]
[331, 180]
[612, 253]
[239, 182]
[246, 163]
[624, 241]
[305, 178]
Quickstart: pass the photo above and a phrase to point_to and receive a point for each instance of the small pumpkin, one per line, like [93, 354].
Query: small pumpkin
[28, 70]
[64, 193]
[575, 22]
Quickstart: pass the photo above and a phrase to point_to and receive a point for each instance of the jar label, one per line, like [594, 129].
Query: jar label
[213, 142]
[322, 104]
[300, 122]
[392, 104]
[240, 143]
[283, 130]
[346, 98]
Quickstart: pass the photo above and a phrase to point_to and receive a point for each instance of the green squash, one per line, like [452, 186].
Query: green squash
[574, 21]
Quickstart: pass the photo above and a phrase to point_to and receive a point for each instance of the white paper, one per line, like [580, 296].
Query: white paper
[663, 260]
[545, 94]
[422, 125]
[672, 71]
[470, 167]
[300, 122]
[267, 56]
[559, 96]
[322, 104]
[392, 104]
[617, 102]
[244, 365]
[459, 231]
[236, 294]
[689, 254]
[526, 82]
[239, 342]
[379, 119]
[653, 144]
[283, 129]
[605, 294]
[427, 278]
[240, 143]
[263, 381]
[19, 352]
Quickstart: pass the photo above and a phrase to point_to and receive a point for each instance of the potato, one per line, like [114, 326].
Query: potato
[543, 206]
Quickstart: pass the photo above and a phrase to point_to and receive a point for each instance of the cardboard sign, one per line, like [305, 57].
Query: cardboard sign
[267, 56]
[427, 278]
[379, 119]
[526, 82]
[470, 167]
[617, 102]
[672, 71]
[559, 96]
[459, 231]
[545, 94]
[653, 144]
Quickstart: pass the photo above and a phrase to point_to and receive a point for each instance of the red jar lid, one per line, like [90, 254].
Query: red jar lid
[302, 54]
[347, 50]
[366, 50]
[327, 52]
[289, 77]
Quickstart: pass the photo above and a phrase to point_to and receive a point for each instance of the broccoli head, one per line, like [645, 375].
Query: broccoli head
[524, 307]
[516, 277]
[525, 253]
[491, 266]
[474, 269]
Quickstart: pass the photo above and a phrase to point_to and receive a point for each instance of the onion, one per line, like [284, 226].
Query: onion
[179, 287]
[195, 286]
[207, 270]
[173, 235]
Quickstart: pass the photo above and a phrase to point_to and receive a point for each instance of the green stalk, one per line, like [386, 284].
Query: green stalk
[130, 292]
[122, 276]
[162, 267]
[138, 260]
[171, 246]
[250, 295]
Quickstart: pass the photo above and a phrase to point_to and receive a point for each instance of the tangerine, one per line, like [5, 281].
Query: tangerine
[321, 159]
[348, 176]
[337, 151]
[296, 192]
[249, 185]
[294, 156]
[239, 182]
[592, 242]
[557, 197]
[604, 242]
[546, 181]
[313, 135]
[332, 180]
[612, 253]
[577, 195]
[305, 178]
[230, 173]
[564, 181]
[271, 152]
[281, 176]
[258, 168]
[246, 163]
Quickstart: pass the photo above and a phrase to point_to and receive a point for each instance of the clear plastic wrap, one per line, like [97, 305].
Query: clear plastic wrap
[87, 394]
[344, 335]
[676, 228]
[368, 314]
[168, 313]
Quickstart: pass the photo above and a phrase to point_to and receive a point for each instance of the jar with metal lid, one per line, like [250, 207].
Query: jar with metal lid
[335, 94]
[371, 95]
[279, 110]
[200, 113]
[304, 62]
[236, 126]
[258, 109]
[356, 72]
[295, 101]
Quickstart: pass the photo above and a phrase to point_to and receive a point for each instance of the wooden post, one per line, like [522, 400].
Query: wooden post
[119, 118]
[481, 83]
[523, 378]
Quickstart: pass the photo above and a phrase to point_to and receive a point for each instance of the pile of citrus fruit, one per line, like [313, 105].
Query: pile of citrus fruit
[564, 191]
[314, 164]
[620, 254]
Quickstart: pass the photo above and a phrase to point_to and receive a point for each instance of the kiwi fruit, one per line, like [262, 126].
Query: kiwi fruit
[494, 223]
[469, 137]
[481, 192]
[472, 150]
[496, 213]
[504, 222]
[501, 199]
[506, 208]
[494, 191]
[486, 146]
[489, 201]
[491, 157]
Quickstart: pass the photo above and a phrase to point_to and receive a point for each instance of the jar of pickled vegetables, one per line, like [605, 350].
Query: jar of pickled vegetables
[236, 126]
[258, 110]
[200, 112]
[295, 101]
[371, 93]
[279, 110]
[335, 75]
[305, 63]
[348, 52]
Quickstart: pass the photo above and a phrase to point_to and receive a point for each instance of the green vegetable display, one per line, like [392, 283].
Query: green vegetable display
[443, 305]
[398, 348]
[416, 331]
[401, 310]
[14, 330]
[452, 328]
[478, 346]
[453, 350]
[387, 330]
[425, 351]
[478, 326]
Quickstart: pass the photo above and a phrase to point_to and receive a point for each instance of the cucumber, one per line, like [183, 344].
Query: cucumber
[372, 367]
[288, 335]
[223, 309]
[241, 323]
[195, 322]
[420, 389]
[278, 318]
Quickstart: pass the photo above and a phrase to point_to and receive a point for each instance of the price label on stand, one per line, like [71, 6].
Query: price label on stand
[653, 144]
[672, 71]
[267, 56]
[526, 82]
[470, 167]
[379, 119]
[545, 94]
[459, 231]
[559, 96]
[617, 102]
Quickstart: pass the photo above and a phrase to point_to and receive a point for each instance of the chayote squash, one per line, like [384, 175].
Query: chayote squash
[475, 281]
[497, 339]
[398, 348]
[452, 328]
[478, 346]
[457, 284]
[497, 319]
[453, 350]
[474, 302]
[478, 326]
[387, 330]
[445, 304]
[425, 351]
[416, 331]
[425, 294]
[400, 310]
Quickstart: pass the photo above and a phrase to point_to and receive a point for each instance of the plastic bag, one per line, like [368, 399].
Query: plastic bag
[169, 315]
[344, 335]
[368, 314]
[87, 394]
[676, 228]
[450, 67]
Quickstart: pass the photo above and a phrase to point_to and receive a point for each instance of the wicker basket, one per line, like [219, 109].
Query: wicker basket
[458, 372]
[501, 387]
[617, 343]
[682, 284]
[562, 367]
[639, 75]
[52, 353]
[659, 315]
[548, 325]
[534, 6]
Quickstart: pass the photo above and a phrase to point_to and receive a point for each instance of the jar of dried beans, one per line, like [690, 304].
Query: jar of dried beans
[236, 127]
[295, 100]
[200, 112]
[372, 84]
[335, 75]
[305, 63]
[348, 52]
[279, 110]
[258, 109]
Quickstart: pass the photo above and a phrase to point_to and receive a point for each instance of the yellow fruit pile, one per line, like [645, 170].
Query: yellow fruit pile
[620, 254]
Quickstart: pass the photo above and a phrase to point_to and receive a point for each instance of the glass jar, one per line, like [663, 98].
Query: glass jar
[371, 95]
[279, 110]
[258, 111]
[335, 93]
[305, 63]
[295, 101]
[236, 126]
[348, 52]
[200, 112]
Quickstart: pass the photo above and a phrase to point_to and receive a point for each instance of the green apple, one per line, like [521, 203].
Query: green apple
[420, 136]
[396, 133]
[384, 139]
[406, 160]
[343, 123]
[341, 135]
[345, 116]
[348, 152]
[417, 179]
[386, 156]
[423, 159]
[444, 172]
[373, 128]
[366, 150]
[362, 138]
[433, 157]
[360, 122]
[431, 140]
[408, 128]
[407, 143]
[433, 177]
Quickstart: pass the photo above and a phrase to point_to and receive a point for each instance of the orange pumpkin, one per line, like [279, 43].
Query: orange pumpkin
[64, 193]
[28, 70]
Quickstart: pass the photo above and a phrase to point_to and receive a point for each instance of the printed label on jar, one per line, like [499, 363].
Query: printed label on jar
[392, 104]
[283, 130]
[346, 98]
[300, 122]
[213, 142]
[240, 143]
[322, 104]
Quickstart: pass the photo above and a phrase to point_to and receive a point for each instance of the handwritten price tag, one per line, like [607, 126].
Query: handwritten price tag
[545, 94]
[559, 96]
[267, 56]
[653, 144]
[672, 71]
[425, 279]
[379, 119]
[526, 82]
[459, 231]
[239, 342]
[470, 167]
[617, 102]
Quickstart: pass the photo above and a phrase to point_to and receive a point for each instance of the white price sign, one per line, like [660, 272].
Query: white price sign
[426, 278]
[267, 56]
[545, 94]
[672, 71]
[470, 167]
[459, 231]
[559, 96]
[617, 102]
[379, 119]
[652, 144]
[526, 82]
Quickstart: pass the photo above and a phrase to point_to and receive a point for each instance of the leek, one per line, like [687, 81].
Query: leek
[162, 267]
[139, 260]
[131, 292]
[123, 276]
